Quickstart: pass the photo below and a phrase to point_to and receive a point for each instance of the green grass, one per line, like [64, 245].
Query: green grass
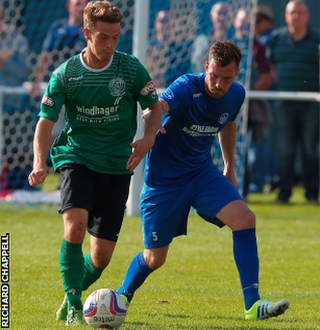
[197, 289]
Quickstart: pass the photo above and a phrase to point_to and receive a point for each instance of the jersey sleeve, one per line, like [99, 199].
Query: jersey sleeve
[53, 100]
[176, 95]
[144, 88]
[240, 99]
[234, 116]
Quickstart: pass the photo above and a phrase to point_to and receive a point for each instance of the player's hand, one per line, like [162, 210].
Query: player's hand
[36, 177]
[140, 149]
[231, 177]
[162, 130]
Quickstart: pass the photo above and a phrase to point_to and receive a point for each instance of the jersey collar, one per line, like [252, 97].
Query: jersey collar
[91, 69]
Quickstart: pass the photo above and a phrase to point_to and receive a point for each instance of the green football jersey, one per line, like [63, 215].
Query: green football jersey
[100, 111]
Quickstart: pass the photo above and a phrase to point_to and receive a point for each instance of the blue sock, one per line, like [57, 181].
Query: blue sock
[136, 274]
[245, 253]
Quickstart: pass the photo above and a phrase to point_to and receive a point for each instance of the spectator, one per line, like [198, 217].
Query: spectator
[14, 51]
[295, 63]
[263, 32]
[264, 24]
[168, 56]
[221, 17]
[258, 111]
[64, 39]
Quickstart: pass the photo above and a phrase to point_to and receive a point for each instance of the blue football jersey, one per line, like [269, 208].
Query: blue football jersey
[192, 123]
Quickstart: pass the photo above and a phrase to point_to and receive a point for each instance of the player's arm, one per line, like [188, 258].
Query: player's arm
[41, 146]
[152, 117]
[227, 140]
[164, 108]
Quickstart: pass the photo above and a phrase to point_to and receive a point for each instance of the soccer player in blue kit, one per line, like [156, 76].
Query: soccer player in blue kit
[180, 174]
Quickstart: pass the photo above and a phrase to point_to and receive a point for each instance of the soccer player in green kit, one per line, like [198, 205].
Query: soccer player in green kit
[100, 88]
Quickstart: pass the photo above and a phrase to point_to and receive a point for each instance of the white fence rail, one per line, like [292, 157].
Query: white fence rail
[292, 96]
[266, 95]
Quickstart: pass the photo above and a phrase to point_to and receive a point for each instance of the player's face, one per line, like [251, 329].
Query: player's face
[103, 40]
[218, 78]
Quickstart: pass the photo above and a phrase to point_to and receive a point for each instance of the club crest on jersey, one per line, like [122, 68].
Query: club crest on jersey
[168, 94]
[117, 87]
[149, 87]
[46, 100]
[224, 117]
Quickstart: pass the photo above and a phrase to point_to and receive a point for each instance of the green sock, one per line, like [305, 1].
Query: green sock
[91, 272]
[71, 266]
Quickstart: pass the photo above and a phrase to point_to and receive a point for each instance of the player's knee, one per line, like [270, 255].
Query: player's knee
[75, 224]
[101, 254]
[154, 261]
[74, 232]
[100, 259]
[249, 220]
[245, 220]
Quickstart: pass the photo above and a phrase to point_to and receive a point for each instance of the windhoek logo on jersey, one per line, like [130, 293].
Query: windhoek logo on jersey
[117, 87]
[224, 117]
[149, 87]
[46, 100]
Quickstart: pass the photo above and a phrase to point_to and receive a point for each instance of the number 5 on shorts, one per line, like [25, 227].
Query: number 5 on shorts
[155, 236]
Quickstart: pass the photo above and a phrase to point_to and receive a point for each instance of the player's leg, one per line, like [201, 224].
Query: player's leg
[162, 220]
[217, 198]
[105, 223]
[71, 260]
[96, 260]
[141, 266]
[241, 220]
[77, 195]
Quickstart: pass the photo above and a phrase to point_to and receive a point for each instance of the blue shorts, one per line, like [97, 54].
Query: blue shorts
[165, 209]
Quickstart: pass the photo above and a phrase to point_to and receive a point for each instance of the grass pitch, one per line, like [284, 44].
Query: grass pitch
[197, 289]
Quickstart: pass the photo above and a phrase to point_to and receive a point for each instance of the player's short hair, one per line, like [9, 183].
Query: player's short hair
[225, 52]
[103, 11]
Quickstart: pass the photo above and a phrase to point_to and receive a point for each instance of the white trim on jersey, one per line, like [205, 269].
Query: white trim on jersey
[91, 69]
